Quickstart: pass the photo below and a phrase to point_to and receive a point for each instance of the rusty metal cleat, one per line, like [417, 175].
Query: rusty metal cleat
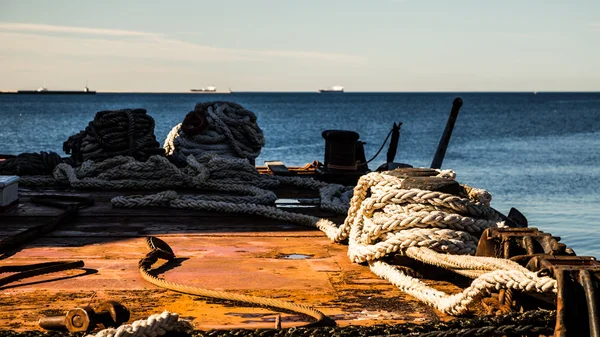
[578, 297]
[510, 242]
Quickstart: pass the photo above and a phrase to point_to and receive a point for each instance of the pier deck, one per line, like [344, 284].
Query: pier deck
[242, 254]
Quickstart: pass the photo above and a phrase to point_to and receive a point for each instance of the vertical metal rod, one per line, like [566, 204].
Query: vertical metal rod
[586, 281]
[391, 153]
[443, 145]
[562, 321]
[528, 243]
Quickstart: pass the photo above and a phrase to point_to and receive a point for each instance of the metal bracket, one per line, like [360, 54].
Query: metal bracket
[578, 298]
[578, 277]
[509, 242]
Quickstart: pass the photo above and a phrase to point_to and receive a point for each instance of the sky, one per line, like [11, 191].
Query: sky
[284, 45]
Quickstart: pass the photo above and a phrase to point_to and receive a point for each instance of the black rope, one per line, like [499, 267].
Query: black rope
[127, 132]
[71, 205]
[384, 142]
[26, 164]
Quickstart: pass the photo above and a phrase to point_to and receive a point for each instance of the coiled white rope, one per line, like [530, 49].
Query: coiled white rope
[428, 226]
[231, 133]
[155, 325]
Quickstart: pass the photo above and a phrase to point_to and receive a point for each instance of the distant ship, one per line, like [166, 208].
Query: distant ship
[210, 90]
[44, 91]
[334, 89]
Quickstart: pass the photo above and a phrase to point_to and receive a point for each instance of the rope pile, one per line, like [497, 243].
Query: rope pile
[432, 227]
[127, 132]
[222, 129]
[26, 164]
[211, 150]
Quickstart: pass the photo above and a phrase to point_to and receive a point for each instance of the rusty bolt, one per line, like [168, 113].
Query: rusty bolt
[85, 319]
[76, 320]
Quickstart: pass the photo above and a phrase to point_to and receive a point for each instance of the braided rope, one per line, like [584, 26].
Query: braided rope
[381, 221]
[458, 303]
[127, 132]
[231, 133]
[30, 164]
[155, 325]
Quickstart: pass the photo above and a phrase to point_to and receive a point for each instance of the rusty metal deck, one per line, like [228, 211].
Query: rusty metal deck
[243, 254]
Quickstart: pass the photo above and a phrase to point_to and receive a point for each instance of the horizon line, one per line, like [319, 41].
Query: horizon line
[14, 91]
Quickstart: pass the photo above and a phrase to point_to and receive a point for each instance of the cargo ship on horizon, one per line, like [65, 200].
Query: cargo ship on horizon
[44, 91]
[209, 90]
[334, 89]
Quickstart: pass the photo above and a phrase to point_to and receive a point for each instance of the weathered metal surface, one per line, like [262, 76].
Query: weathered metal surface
[578, 277]
[437, 184]
[578, 297]
[249, 255]
[510, 242]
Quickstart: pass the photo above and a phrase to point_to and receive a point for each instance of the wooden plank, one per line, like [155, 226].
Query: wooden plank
[280, 191]
[144, 226]
[103, 207]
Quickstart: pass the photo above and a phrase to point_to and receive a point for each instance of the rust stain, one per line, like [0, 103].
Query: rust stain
[327, 281]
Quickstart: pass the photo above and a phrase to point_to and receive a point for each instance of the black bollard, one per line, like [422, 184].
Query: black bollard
[443, 145]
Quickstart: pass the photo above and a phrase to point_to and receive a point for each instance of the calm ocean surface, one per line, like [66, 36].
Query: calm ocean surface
[538, 153]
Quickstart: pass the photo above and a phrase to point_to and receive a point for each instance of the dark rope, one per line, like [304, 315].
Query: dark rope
[71, 205]
[383, 144]
[27, 164]
[127, 132]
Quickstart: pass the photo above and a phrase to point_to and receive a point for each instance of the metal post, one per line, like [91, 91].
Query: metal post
[443, 145]
[393, 143]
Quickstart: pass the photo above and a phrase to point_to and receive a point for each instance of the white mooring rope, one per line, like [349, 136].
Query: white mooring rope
[431, 227]
[155, 325]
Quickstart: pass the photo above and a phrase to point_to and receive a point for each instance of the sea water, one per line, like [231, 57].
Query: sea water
[537, 152]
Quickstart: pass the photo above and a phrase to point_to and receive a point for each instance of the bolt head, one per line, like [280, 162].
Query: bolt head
[80, 319]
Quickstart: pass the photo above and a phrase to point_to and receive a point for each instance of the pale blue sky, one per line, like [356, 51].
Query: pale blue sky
[385, 45]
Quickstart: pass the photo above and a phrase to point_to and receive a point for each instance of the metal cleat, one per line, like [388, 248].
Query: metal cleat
[578, 297]
[511, 242]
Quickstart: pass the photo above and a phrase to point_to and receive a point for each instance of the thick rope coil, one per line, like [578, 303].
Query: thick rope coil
[30, 164]
[230, 131]
[155, 325]
[335, 198]
[127, 132]
[382, 221]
